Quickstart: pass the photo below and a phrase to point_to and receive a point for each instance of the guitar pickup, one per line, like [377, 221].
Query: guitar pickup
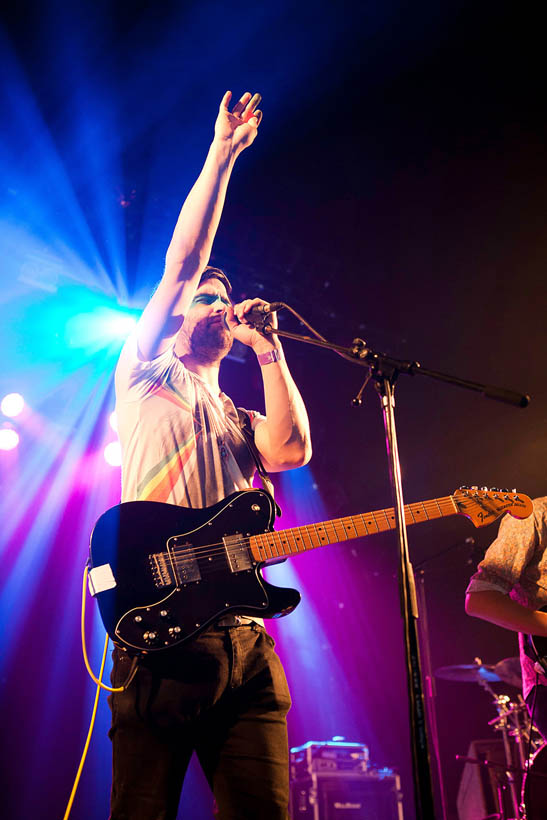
[237, 553]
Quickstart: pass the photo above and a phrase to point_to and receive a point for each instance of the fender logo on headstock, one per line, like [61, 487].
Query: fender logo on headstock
[484, 505]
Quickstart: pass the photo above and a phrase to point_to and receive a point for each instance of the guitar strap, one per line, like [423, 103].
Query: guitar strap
[248, 435]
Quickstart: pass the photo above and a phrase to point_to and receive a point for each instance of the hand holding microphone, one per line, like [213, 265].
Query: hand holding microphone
[252, 319]
[258, 315]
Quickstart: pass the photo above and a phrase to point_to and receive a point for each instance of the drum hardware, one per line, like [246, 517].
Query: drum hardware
[468, 673]
[513, 721]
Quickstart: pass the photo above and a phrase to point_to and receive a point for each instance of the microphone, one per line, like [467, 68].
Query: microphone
[258, 315]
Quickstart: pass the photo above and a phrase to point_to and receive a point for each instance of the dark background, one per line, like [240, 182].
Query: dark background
[396, 192]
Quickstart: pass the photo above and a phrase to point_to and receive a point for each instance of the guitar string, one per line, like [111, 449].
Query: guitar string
[195, 553]
[277, 534]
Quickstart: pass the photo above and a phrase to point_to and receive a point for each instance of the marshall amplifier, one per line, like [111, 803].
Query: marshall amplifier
[329, 795]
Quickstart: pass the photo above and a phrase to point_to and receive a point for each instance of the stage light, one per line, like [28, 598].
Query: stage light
[9, 438]
[113, 421]
[98, 328]
[117, 325]
[12, 405]
[113, 454]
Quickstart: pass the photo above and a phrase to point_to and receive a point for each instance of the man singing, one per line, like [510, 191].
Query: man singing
[223, 693]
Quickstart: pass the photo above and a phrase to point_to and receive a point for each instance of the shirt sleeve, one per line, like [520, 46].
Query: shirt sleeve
[136, 379]
[509, 555]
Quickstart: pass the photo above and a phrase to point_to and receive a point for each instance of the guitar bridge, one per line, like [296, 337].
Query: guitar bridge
[162, 571]
[237, 553]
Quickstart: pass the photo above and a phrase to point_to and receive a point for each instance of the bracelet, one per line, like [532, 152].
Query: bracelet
[270, 356]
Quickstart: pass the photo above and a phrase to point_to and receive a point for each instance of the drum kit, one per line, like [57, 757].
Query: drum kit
[521, 779]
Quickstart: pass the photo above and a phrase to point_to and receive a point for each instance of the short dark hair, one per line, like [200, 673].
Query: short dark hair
[216, 273]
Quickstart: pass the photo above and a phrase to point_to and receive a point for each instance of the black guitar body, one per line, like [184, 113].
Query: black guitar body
[162, 573]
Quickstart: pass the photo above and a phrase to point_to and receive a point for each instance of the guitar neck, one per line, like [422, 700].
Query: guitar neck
[282, 543]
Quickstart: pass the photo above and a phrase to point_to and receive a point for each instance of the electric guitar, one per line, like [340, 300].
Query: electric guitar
[163, 573]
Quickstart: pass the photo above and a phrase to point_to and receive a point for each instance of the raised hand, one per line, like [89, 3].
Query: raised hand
[240, 125]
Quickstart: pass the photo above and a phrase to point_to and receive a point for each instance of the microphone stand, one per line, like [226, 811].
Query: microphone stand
[384, 370]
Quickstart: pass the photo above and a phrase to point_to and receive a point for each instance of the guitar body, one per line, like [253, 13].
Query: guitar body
[162, 573]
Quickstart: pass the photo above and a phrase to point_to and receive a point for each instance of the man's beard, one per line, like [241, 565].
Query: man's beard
[210, 341]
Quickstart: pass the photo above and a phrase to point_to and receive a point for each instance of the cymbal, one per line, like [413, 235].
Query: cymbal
[509, 671]
[468, 673]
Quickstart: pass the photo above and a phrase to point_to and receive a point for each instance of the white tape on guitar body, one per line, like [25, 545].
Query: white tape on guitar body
[100, 579]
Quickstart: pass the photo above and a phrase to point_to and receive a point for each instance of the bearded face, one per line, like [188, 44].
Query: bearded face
[210, 340]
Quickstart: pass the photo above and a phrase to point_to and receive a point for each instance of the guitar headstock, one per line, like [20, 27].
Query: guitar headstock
[483, 506]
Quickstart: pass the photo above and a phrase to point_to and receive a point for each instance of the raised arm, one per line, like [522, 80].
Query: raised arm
[192, 241]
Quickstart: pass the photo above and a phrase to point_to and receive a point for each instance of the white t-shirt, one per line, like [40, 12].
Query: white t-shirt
[181, 444]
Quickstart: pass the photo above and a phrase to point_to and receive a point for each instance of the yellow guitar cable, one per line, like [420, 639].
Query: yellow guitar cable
[100, 686]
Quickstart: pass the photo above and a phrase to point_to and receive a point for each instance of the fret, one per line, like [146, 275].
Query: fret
[336, 527]
[316, 539]
[309, 536]
[369, 521]
[353, 526]
[388, 524]
[294, 541]
[419, 512]
[349, 527]
[341, 530]
[305, 539]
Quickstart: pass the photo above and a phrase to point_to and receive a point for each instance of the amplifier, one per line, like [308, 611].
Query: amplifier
[371, 795]
[328, 756]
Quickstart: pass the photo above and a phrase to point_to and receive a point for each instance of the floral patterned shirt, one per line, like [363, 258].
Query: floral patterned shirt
[516, 564]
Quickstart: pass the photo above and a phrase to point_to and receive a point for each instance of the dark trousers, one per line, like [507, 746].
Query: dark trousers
[224, 695]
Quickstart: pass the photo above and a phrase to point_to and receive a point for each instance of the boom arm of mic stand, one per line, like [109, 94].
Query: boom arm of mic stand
[360, 354]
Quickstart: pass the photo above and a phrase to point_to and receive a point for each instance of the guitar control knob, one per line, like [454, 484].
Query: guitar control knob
[150, 637]
[174, 631]
[164, 613]
[137, 619]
